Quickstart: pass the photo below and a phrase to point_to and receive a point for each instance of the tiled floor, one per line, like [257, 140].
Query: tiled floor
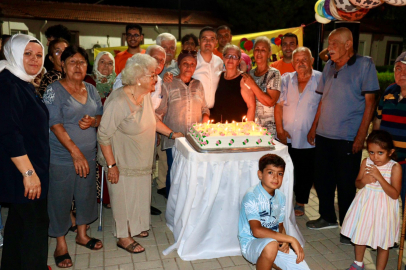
[323, 250]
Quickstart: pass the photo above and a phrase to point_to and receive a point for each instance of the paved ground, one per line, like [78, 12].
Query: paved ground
[323, 249]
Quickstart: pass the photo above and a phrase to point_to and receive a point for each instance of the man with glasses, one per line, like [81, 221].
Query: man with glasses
[134, 39]
[209, 66]
[168, 42]
[289, 44]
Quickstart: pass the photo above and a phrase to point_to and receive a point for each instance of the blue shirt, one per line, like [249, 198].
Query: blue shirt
[343, 100]
[258, 204]
[65, 109]
[299, 110]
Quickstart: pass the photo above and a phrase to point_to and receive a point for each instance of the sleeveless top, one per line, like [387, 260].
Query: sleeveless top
[228, 103]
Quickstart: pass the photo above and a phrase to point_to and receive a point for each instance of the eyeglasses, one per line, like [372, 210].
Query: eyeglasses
[135, 36]
[58, 52]
[77, 63]
[194, 52]
[154, 76]
[231, 56]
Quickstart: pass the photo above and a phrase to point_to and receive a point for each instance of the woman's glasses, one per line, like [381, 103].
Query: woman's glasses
[231, 56]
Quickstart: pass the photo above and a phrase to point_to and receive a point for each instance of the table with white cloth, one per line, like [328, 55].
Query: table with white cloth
[205, 199]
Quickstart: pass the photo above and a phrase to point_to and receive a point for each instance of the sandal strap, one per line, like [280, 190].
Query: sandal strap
[92, 243]
[131, 247]
[59, 259]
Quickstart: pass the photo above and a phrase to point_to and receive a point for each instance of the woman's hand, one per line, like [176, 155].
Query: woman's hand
[113, 174]
[283, 136]
[248, 80]
[80, 163]
[168, 77]
[32, 186]
[177, 135]
[86, 122]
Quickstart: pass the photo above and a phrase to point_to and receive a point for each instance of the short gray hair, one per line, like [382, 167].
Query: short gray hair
[163, 37]
[265, 40]
[232, 47]
[302, 49]
[151, 48]
[136, 67]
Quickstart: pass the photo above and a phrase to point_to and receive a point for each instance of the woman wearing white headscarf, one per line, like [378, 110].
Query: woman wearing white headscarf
[104, 74]
[24, 156]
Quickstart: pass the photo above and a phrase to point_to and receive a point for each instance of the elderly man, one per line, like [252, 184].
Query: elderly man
[159, 54]
[391, 115]
[289, 44]
[348, 86]
[294, 115]
[168, 42]
[134, 37]
[209, 66]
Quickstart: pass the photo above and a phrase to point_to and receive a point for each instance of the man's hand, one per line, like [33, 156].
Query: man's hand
[358, 143]
[284, 248]
[168, 77]
[299, 250]
[283, 135]
[311, 136]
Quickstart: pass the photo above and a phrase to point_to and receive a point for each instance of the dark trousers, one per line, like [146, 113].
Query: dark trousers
[169, 159]
[403, 190]
[26, 237]
[303, 172]
[335, 167]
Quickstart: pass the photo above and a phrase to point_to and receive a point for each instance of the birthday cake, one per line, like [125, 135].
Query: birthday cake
[230, 135]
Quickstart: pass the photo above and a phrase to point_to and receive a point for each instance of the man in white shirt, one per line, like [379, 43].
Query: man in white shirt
[209, 66]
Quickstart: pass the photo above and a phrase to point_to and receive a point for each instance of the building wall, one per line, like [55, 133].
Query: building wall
[90, 33]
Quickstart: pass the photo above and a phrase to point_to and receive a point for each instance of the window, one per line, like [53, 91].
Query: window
[361, 48]
[14, 32]
[393, 49]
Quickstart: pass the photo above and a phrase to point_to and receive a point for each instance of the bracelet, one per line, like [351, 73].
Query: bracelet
[170, 135]
[112, 165]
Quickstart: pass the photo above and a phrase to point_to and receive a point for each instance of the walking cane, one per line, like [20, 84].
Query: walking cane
[402, 239]
[101, 200]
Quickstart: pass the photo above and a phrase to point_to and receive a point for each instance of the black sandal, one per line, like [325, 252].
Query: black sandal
[91, 244]
[131, 247]
[59, 259]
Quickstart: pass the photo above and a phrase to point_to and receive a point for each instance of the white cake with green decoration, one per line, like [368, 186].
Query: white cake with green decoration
[230, 135]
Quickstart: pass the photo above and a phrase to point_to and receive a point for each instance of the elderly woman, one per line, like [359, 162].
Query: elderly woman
[24, 155]
[265, 82]
[168, 42]
[75, 111]
[126, 136]
[233, 98]
[55, 50]
[189, 42]
[183, 103]
[104, 74]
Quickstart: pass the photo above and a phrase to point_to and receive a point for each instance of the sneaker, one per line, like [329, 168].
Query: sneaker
[354, 266]
[319, 224]
[345, 240]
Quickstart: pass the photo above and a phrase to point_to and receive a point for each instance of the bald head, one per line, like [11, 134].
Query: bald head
[342, 33]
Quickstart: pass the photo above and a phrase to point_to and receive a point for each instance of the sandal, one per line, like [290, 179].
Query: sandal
[299, 210]
[142, 236]
[107, 205]
[59, 259]
[131, 247]
[75, 228]
[91, 244]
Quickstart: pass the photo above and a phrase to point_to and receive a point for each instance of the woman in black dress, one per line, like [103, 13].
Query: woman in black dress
[24, 156]
[233, 99]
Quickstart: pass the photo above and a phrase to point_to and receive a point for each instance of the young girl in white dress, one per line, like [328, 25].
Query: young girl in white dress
[373, 217]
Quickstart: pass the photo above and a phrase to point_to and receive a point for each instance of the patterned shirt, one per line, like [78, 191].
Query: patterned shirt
[258, 204]
[392, 113]
[270, 80]
[49, 77]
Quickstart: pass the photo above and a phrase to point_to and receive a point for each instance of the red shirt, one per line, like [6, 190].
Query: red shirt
[283, 67]
[121, 59]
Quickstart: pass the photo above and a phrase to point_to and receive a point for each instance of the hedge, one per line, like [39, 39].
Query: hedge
[385, 79]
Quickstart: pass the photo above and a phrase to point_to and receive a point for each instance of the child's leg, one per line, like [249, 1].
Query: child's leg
[359, 253]
[382, 258]
[267, 257]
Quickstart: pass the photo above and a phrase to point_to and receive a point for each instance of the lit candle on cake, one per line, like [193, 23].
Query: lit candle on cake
[243, 118]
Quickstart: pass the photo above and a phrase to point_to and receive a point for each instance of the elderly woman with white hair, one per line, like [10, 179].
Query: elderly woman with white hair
[168, 42]
[126, 136]
[104, 74]
[233, 99]
[265, 82]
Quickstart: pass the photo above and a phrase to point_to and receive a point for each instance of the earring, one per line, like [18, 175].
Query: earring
[138, 84]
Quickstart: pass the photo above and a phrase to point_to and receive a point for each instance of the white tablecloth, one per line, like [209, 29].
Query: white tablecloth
[205, 197]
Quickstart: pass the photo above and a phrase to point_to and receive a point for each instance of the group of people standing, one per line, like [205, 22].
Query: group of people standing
[49, 133]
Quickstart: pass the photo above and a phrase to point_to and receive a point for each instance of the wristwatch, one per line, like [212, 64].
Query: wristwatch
[28, 173]
[111, 166]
